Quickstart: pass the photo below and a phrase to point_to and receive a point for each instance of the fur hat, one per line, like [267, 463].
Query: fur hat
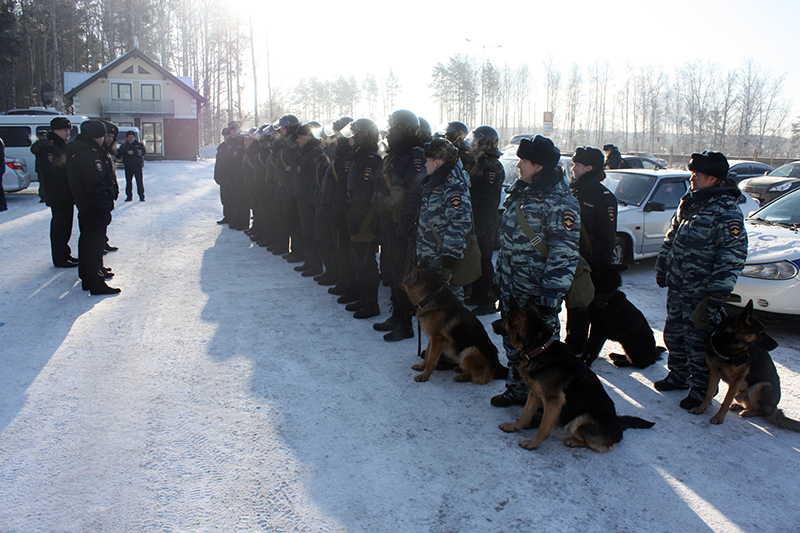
[93, 129]
[441, 149]
[710, 163]
[609, 148]
[60, 123]
[540, 151]
[589, 156]
[131, 132]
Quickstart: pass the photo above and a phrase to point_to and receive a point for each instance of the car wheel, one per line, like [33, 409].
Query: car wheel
[620, 254]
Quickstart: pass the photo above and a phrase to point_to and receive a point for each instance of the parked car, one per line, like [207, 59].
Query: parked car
[636, 161]
[647, 200]
[770, 276]
[16, 176]
[648, 156]
[783, 179]
[742, 170]
[515, 140]
[19, 130]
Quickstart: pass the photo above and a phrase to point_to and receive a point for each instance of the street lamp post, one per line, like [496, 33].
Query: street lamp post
[483, 71]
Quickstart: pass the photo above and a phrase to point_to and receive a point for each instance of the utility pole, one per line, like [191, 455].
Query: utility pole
[483, 73]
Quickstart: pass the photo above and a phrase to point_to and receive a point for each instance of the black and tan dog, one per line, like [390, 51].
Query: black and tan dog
[573, 397]
[452, 330]
[613, 316]
[738, 353]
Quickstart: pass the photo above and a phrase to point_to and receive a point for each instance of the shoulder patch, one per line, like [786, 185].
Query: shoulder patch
[316, 161]
[367, 173]
[569, 220]
[455, 200]
[612, 213]
[50, 157]
[735, 228]
[418, 164]
[491, 176]
[298, 169]
[347, 165]
[99, 165]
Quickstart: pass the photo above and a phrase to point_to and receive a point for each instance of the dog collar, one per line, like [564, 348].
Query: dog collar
[425, 301]
[540, 349]
[735, 357]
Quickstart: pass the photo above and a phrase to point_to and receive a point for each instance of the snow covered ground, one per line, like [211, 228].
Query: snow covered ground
[220, 391]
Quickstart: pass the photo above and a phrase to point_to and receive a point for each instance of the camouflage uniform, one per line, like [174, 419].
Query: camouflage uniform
[521, 270]
[446, 207]
[703, 253]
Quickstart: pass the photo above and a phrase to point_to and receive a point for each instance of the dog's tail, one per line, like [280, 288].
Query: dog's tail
[782, 421]
[635, 422]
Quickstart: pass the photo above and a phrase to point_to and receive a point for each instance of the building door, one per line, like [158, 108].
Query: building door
[153, 138]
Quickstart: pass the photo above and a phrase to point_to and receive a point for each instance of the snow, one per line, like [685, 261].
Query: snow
[221, 391]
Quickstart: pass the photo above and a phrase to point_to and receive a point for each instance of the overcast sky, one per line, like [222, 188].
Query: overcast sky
[325, 40]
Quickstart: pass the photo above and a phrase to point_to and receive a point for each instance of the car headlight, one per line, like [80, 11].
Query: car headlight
[779, 270]
[782, 187]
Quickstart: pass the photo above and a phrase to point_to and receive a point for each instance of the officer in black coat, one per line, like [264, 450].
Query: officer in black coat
[306, 181]
[400, 171]
[361, 220]
[485, 192]
[288, 215]
[220, 175]
[133, 152]
[52, 163]
[239, 211]
[598, 233]
[3, 205]
[88, 168]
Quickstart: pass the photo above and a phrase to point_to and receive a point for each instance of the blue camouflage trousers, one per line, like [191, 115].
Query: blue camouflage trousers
[686, 343]
[514, 380]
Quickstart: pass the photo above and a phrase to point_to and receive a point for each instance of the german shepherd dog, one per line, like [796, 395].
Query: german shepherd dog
[738, 353]
[573, 397]
[452, 330]
[619, 320]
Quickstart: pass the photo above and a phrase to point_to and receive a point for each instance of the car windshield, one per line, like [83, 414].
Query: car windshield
[631, 189]
[789, 170]
[785, 210]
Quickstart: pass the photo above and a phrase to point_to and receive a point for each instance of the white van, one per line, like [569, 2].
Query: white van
[19, 132]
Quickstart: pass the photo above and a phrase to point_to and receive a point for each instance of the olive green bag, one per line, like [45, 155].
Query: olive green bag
[468, 268]
[581, 292]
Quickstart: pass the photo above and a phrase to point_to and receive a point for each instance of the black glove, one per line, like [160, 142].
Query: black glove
[448, 262]
[548, 310]
[352, 229]
[715, 300]
[661, 279]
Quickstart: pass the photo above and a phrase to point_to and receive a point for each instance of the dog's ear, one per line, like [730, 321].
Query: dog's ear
[746, 316]
[513, 306]
[423, 265]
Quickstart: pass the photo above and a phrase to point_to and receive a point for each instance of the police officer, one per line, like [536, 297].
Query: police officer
[133, 152]
[546, 207]
[701, 258]
[402, 168]
[445, 216]
[613, 157]
[87, 169]
[239, 212]
[288, 216]
[486, 189]
[361, 219]
[52, 163]
[220, 175]
[598, 233]
[456, 133]
[309, 159]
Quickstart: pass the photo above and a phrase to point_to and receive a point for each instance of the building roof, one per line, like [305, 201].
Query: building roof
[76, 81]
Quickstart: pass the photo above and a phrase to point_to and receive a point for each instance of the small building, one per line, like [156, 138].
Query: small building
[134, 90]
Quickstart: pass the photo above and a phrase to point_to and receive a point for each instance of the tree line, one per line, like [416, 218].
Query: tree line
[740, 111]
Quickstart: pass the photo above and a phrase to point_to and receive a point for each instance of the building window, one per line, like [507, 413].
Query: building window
[151, 92]
[121, 91]
[152, 137]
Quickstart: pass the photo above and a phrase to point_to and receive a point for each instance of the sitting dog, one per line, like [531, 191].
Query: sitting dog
[573, 397]
[613, 316]
[452, 330]
[738, 353]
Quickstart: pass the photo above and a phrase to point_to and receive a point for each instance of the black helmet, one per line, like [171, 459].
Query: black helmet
[456, 132]
[288, 120]
[441, 149]
[485, 139]
[405, 119]
[363, 131]
[425, 133]
[341, 123]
